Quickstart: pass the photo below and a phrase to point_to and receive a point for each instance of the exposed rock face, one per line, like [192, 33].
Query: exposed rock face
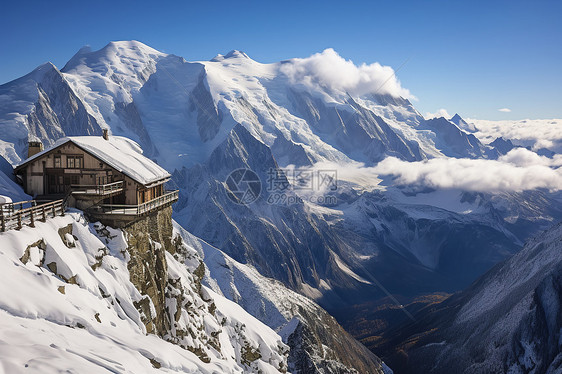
[66, 236]
[88, 287]
[50, 110]
[173, 303]
[58, 107]
[318, 344]
[148, 239]
[307, 355]
[35, 252]
[209, 117]
[130, 117]
[282, 241]
[502, 145]
[311, 350]
[454, 142]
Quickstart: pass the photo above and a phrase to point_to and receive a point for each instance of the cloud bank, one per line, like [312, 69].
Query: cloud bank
[329, 70]
[517, 171]
[543, 133]
[505, 110]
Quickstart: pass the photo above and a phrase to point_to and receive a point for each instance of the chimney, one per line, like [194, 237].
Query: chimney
[106, 134]
[34, 147]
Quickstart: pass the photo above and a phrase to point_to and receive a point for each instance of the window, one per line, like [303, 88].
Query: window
[58, 164]
[74, 162]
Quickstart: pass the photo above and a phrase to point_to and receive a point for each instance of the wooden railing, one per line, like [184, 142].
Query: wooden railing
[97, 189]
[9, 208]
[27, 216]
[137, 210]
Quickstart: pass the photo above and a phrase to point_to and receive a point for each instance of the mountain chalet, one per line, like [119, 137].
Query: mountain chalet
[106, 177]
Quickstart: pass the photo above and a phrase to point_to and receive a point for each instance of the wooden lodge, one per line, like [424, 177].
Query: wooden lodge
[107, 177]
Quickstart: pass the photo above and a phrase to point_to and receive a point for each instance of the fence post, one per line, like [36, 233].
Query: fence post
[44, 219]
[2, 223]
[19, 220]
[62, 208]
[32, 221]
[53, 210]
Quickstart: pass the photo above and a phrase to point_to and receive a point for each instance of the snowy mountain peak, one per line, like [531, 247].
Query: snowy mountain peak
[43, 69]
[36, 74]
[129, 45]
[456, 118]
[85, 49]
[234, 54]
[462, 124]
[113, 53]
[502, 145]
[133, 89]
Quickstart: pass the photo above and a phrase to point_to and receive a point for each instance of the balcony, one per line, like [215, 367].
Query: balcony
[96, 191]
[132, 211]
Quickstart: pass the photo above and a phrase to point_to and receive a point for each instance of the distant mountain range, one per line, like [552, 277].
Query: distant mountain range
[508, 321]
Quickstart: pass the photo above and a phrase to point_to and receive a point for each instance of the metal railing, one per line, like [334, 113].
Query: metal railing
[97, 189]
[137, 210]
[27, 216]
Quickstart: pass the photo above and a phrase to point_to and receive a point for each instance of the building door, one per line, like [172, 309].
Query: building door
[55, 183]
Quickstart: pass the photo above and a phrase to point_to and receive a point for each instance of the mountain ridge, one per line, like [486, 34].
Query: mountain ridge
[508, 320]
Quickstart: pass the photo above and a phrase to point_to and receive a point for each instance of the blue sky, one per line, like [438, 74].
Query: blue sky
[468, 57]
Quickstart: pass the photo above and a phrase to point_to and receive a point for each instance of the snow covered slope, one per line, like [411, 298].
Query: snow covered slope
[68, 302]
[317, 342]
[40, 105]
[75, 293]
[508, 321]
[8, 187]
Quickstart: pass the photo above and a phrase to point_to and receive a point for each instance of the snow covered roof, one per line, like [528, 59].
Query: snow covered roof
[118, 152]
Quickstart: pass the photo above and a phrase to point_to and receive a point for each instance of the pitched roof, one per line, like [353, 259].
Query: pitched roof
[118, 152]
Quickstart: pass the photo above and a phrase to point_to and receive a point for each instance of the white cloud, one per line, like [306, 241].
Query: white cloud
[517, 171]
[505, 110]
[329, 69]
[440, 113]
[542, 133]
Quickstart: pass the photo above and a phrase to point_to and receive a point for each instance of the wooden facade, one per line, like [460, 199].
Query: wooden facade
[58, 171]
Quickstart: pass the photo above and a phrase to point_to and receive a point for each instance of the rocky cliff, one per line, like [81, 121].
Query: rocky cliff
[125, 300]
